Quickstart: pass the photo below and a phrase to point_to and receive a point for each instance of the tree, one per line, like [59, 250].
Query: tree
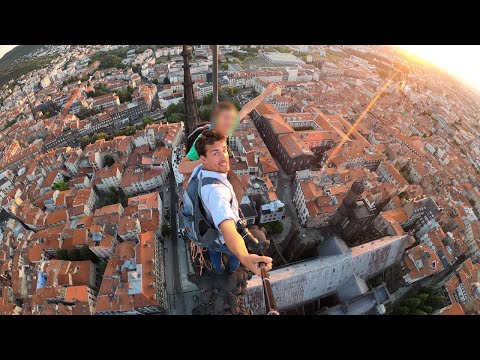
[85, 113]
[275, 227]
[254, 93]
[436, 301]
[136, 69]
[74, 254]
[422, 297]
[403, 195]
[166, 81]
[401, 310]
[166, 231]
[418, 312]
[472, 202]
[109, 160]
[181, 107]
[155, 81]
[100, 135]
[207, 99]
[425, 308]
[109, 59]
[412, 303]
[428, 290]
[223, 96]
[175, 118]
[113, 196]
[206, 113]
[171, 109]
[87, 254]
[60, 186]
[62, 254]
[237, 104]
[85, 141]
[224, 66]
[424, 303]
[147, 120]
[123, 95]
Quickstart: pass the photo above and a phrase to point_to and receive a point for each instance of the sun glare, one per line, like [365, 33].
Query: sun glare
[461, 61]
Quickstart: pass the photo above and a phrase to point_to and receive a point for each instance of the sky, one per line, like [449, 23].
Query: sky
[5, 48]
[461, 61]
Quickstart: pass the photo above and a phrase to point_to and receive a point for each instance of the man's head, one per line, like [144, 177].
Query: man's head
[224, 117]
[212, 148]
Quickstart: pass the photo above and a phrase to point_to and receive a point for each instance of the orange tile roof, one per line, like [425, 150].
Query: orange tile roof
[109, 210]
[399, 215]
[77, 293]
[113, 294]
[279, 125]
[56, 217]
[454, 309]
[419, 260]
[68, 272]
[294, 146]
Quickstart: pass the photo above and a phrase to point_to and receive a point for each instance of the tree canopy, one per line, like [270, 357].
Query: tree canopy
[175, 118]
[123, 95]
[205, 113]
[426, 302]
[60, 186]
[109, 160]
[275, 227]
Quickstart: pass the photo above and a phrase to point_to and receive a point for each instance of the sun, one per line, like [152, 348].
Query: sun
[461, 61]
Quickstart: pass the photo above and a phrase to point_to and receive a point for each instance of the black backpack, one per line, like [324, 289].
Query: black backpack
[198, 224]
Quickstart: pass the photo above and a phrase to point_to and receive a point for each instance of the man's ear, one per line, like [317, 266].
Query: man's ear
[203, 159]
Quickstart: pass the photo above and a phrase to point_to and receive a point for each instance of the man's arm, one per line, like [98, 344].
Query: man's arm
[186, 166]
[236, 245]
[251, 105]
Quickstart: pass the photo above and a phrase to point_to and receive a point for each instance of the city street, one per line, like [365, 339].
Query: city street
[183, 295]
[177, 305]
[284, 193]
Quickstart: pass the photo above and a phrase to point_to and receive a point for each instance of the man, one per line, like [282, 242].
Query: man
[221, 203]
[225, 119]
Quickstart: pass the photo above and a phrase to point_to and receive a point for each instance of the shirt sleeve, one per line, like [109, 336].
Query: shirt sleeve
[217, 200]
[192, 153]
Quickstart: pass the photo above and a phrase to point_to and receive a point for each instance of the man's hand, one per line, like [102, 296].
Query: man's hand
[272, 87]
[252, 104]
[252, 262]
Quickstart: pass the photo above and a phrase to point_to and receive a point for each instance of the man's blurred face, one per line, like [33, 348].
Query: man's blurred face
[216, 157]
[225, 121]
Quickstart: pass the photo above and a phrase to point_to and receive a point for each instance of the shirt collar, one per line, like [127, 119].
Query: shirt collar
[214, 174]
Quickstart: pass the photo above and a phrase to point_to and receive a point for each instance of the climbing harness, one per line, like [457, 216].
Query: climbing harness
[197, 251]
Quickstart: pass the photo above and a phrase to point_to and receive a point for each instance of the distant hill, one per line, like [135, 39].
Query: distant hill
[9, 71]
[16, 53]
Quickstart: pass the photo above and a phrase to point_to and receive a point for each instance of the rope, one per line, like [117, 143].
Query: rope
[197, 252]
